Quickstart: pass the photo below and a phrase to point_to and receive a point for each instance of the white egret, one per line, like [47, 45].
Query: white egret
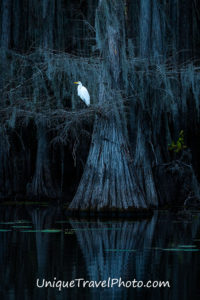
[83, 93]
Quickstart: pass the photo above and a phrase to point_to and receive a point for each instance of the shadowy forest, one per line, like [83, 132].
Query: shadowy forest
[137, 145]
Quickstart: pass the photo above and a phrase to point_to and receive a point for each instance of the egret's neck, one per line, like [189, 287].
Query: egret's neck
[80, 84]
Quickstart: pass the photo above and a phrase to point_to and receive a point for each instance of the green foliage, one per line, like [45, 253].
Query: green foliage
[179, 145]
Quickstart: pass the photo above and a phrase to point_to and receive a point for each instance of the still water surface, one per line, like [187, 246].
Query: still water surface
[44, 243]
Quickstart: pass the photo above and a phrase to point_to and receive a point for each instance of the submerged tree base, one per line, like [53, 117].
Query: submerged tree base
[130, 212]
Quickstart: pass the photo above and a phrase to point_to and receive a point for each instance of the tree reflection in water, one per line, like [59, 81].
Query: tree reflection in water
[96, 250]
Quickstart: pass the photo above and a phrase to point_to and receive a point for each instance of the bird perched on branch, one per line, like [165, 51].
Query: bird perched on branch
[83, 93]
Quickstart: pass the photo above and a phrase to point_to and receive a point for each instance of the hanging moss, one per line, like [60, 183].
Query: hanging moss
[139, 62]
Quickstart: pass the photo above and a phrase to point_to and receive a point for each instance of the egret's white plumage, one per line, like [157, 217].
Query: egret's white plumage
[83, 93]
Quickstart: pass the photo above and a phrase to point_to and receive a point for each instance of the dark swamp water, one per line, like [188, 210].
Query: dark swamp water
[44, 243]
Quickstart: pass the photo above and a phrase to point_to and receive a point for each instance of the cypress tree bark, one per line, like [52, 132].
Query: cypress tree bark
[108, 180]
[6, 23]
[185, 36]
[42, 184]
[5, 171]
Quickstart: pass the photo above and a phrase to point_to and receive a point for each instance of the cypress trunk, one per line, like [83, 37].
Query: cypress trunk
[42, 184]
[108, 180]
[6, 23]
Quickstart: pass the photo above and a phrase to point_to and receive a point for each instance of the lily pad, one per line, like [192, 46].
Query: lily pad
[42, 230]
[181, 249]
[92, 229]
[120, 250]
[22, 221]
[15, 222]
[187, 246]
[21, 226]
[31, 230]
[7, 223]
[51, 230]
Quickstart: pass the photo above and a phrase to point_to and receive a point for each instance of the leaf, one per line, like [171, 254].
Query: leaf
[179, 145]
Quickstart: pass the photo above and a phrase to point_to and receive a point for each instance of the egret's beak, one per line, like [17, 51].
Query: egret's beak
[76, 82]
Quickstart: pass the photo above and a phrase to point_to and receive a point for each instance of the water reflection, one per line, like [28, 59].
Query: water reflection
[43, 243]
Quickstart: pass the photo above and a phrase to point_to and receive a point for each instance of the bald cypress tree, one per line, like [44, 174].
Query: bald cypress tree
[108, 179]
